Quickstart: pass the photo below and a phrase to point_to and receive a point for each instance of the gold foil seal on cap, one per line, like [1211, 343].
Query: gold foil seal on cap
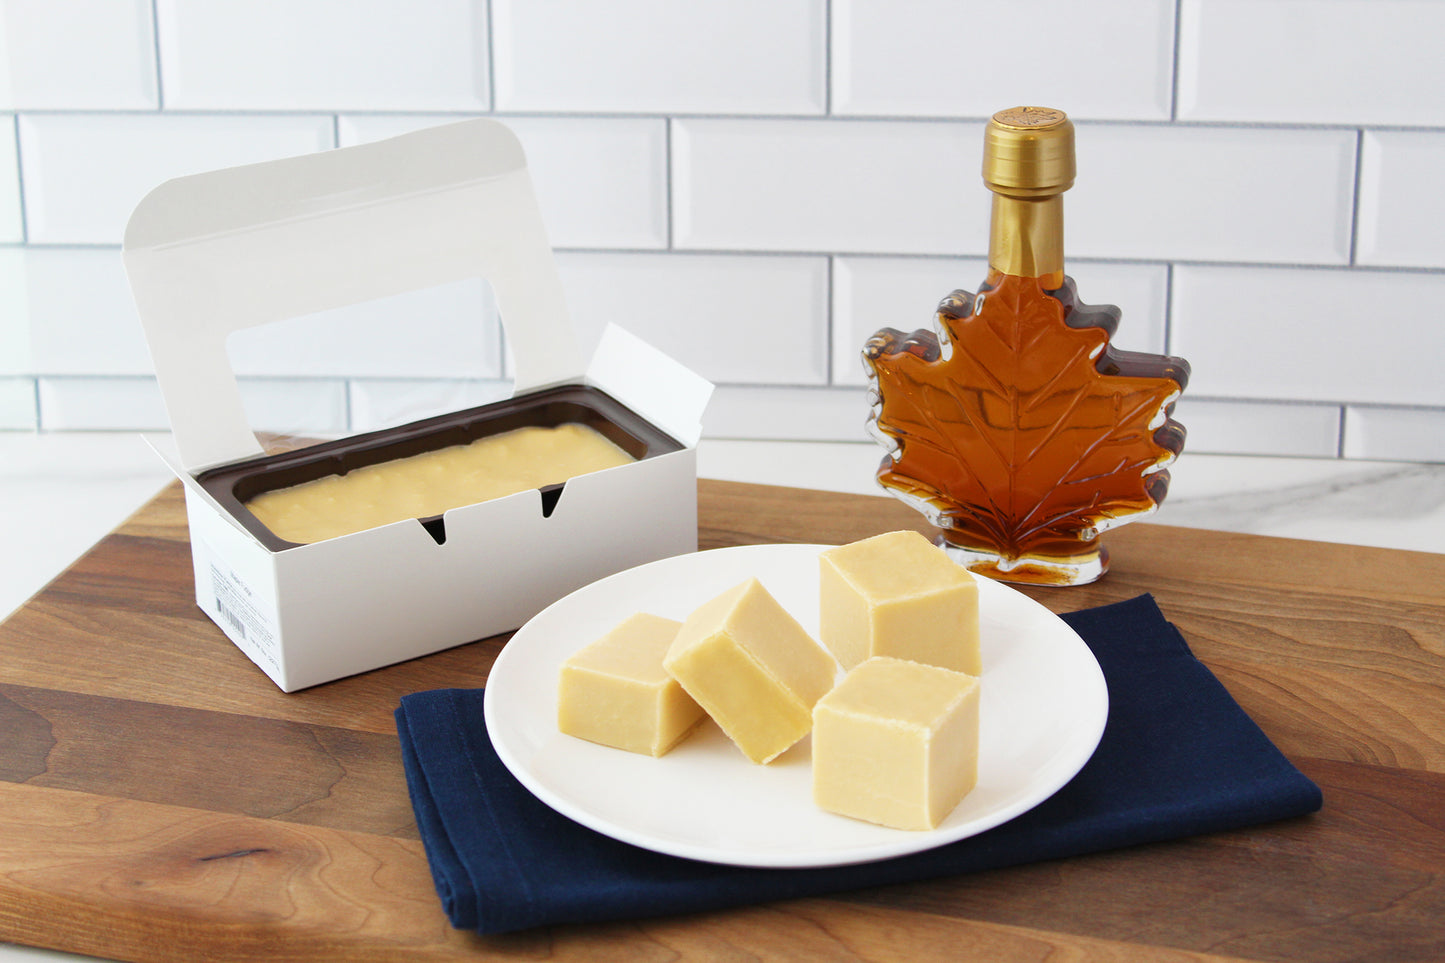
[1029, 152]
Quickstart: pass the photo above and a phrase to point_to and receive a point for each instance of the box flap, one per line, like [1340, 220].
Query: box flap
[652, 384]
[212, 253]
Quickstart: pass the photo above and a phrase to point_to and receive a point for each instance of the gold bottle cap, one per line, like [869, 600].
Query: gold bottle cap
[1029, 152]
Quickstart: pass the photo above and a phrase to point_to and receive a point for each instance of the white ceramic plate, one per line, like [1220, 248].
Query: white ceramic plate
[1042, 712]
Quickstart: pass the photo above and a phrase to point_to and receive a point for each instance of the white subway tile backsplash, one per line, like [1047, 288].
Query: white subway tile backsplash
[1395, 434]
[377, 404]
[888, 187]
[637, 56]
[72, 311]
[102, 404]
[12, 223]
[449, 331]
[324, 55]
[1299, 334]
[757, 186]
[295, 406]
[17, 404]
[84, 173]
[942, 58]
[1402, 203]
[730, 318]
[600, 182]
[78, 55]
[1217, 426]
[870, 293]
[1212, 194]
[1306, 61]
[788, 414]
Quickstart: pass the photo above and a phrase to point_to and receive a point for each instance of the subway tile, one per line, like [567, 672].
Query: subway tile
[101, 404]
[15, 351]
[870, 293]
[324, 55]
[1302, 61]
[636, 56]
[772, 413]
[1216, 426]
[600, 182]
[942, 58]
[1395, 434]
[17, 404]
[1300, 334]
[730, 318]
[295, 406]
[124, 403]
[85, 173]
[448, 331]
[72, 312]
[377, 404]
[1212, 194]
[12, 221]
[886, 187]
[1402, 203]
[79, 55]
[353, 129]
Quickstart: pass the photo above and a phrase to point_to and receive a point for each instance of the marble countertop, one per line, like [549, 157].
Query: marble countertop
[61, 492]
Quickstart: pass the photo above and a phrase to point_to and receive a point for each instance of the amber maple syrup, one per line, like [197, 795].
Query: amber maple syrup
[1015, 426]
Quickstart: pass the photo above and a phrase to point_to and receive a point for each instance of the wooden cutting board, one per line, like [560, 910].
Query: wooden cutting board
[160, 799]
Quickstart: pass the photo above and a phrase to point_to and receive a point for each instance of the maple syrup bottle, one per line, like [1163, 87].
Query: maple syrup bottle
[1016, 427]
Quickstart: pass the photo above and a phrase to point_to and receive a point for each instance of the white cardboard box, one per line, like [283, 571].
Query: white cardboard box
[212, 253]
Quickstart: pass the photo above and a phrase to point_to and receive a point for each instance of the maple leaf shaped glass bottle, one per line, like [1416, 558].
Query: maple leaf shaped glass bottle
[1016, 427]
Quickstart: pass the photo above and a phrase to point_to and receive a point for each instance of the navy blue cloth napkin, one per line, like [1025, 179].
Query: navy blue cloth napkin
[1178, 758]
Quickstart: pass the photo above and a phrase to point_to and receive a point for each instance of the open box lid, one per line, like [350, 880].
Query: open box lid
[212, 253]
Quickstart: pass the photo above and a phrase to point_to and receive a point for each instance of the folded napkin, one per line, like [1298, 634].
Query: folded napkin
[1178, 758]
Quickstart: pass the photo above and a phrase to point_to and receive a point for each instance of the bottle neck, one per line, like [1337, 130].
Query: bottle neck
[1026, 238]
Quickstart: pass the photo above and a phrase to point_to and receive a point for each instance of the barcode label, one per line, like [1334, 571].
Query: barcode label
[249, 621]
[232, 618]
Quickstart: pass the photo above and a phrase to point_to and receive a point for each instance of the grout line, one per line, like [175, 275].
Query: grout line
[20, 182]
[1355, 202]
[1340, 433]
[828, 58]
[490, 21]
[35, 393]
[1174, 65]
[941, 120]
[667, 180]
[830, 320]
[1337, 268]
[981, 255]
[156, 52]
[1168, 308]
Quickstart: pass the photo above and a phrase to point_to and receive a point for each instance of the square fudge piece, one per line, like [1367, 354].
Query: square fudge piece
[616, 692]
[753, 668]
[896, 743]
[898, 595]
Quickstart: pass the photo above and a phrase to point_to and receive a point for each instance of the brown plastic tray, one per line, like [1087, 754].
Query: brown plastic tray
[233, 485]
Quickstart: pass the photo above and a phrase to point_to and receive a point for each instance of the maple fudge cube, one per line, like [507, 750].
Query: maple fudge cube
[616, 692]
[896, 743]
[753, 668]
[898, 595]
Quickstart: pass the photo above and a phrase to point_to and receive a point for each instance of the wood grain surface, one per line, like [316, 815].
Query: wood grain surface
[160, 799]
